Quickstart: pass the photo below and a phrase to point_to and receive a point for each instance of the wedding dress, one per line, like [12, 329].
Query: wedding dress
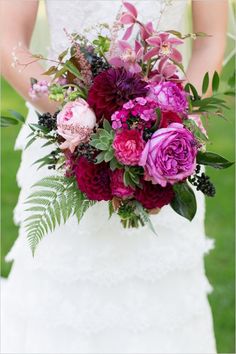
[95, 287]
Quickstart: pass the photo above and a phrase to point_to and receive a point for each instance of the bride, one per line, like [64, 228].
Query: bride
[95, 287]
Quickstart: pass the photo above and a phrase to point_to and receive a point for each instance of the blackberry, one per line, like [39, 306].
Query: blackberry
[202, 183]
[98, 64]
[147, 133]
[87, 151]
[48, 121]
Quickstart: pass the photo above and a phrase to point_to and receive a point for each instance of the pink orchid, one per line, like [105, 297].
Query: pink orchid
[165, 72]
[129, 18]
[129, 57]
[146, 31]
[163, 45]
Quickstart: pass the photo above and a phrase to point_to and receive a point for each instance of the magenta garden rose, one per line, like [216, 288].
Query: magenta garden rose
[170, 155]
[169, 96]
[128, 146]
[75, 123]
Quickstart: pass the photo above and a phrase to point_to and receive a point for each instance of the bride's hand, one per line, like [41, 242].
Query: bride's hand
[21, 16]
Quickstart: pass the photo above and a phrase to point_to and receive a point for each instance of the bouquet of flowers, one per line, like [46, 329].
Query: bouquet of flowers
[128, 130]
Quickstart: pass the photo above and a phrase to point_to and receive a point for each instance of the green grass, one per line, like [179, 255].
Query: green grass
[219, 217]
[9, 166]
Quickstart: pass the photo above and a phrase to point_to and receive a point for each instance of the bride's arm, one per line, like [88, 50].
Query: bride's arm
[209, 16]
[17, 24]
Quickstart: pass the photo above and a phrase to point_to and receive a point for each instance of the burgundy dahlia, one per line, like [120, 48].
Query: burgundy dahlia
[153, 196]
[112, 88]
[93, 179]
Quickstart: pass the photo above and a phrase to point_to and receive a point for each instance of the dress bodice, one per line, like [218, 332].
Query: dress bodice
[78, 15]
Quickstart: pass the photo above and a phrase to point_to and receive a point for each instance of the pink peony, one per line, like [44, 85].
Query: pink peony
[169, 96]
[128, 146]
[75, 123]
[118, 188]
[170, 155]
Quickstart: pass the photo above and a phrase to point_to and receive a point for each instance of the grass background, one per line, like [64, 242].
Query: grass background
[220, 263]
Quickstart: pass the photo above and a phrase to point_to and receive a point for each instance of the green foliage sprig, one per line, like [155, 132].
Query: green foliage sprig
[54, 200]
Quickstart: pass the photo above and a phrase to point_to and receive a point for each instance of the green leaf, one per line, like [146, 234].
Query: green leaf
[53, 201]
[128, 180]
[213, 160]
[60, 73]
[62, 55]
[145, 217]
[73, 69]
[101, 146]
[52, 70]
[192, 126]
[175, 33]
[215, 82]
[114, 164]
[33, 81]
[109, 155]
[205, 83]
[30, 142]
[7, 121]
[17, 116]
[184, 202]
[111, 209]
[100, 157]
[106, 125]
[189, 87]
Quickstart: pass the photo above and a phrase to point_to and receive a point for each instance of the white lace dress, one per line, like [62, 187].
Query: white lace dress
[95, 287]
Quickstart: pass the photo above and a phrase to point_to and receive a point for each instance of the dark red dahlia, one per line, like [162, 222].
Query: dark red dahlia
[93, 179]
[153, 196]
[112, 88]
[168, 118]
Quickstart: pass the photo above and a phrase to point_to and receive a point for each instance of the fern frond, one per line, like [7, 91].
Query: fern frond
[46, 207]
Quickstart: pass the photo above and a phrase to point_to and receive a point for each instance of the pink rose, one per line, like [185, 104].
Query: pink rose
[128, 146]
[75, 123]
[118, 188]
[170, 155]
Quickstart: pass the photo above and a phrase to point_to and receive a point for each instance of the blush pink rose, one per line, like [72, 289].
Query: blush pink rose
[170, 155]
[75, 123]
[128, 146]
[118, 187]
